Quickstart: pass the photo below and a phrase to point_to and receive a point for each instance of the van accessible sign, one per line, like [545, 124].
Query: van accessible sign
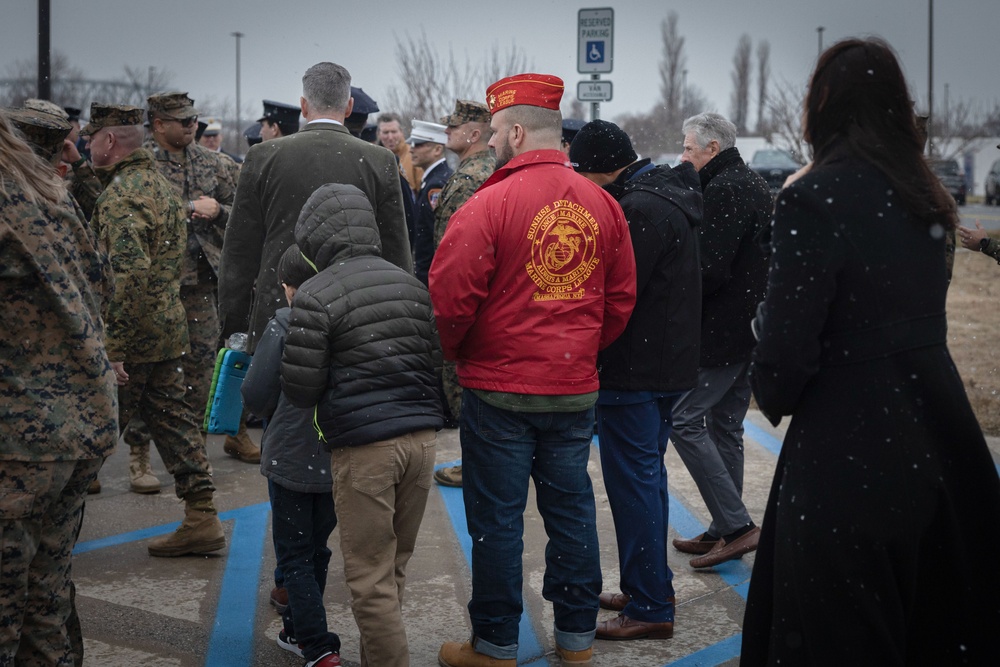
[596, 28]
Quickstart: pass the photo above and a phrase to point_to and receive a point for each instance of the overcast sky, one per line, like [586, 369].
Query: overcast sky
[191, 40]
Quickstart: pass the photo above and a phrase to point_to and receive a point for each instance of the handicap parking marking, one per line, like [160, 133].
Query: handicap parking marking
[232, 641]
[528, 646]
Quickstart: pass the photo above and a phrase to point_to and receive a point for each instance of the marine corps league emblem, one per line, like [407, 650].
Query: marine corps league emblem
[563, 250]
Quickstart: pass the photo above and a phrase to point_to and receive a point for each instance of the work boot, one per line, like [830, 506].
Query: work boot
[454, 654]
[140, 472]
[199, 533]
[240, 446]
[569, 658]
[95, 487]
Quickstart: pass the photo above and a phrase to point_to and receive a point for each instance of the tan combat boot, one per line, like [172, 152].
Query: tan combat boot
[140, 472]
[200, 532]
[569, 658]
[241, 446]
[457, 654]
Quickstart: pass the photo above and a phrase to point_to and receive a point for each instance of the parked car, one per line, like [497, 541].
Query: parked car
[774, 165]
[991, 186]
[952, 178]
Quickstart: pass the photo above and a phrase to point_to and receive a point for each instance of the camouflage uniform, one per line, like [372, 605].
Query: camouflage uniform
[84, 186]
[57, 416]
[193, 172]
[140, 224]
[471, 173]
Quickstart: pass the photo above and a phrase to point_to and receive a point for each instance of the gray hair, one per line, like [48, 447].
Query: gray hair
[327, 87]
[129, 137]
[708, 127]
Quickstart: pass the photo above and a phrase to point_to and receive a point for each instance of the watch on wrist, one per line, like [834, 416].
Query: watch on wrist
[984, 243]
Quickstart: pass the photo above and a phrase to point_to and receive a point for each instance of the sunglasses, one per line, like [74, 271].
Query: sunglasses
[185, 122]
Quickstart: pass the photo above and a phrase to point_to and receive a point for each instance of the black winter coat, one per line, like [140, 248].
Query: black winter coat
[658, 350]
[885, 500]
[361, 344]
[423, 234]
[738, 207]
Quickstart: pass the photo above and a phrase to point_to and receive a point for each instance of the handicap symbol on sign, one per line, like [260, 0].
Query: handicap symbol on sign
[595, 52]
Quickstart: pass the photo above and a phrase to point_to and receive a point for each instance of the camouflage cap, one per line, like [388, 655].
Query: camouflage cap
[43, 130]
[467, 111]
[172, 105]
[111, 115]
[46, 106]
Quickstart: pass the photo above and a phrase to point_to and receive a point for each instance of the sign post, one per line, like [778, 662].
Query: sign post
[595, 55]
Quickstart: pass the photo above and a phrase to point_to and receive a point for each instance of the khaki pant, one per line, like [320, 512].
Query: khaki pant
[380, 491]
[41, 505]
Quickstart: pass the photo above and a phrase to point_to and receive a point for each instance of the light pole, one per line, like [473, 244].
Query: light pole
[930, 76]
[239, 124]
[819, 32]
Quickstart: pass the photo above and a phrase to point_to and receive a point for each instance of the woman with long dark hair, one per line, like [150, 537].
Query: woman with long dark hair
[882, 529]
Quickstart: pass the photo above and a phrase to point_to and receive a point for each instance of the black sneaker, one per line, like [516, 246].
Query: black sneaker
[289, 643]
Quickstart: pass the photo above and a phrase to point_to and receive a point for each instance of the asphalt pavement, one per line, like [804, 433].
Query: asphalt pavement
[214, 611]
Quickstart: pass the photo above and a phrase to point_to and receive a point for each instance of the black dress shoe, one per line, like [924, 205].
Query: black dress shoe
[624, 627]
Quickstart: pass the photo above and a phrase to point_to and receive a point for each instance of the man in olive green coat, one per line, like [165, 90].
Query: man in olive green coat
[140, 225]
[278, 177]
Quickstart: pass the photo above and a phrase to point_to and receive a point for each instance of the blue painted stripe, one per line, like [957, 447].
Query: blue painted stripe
[231, 644]
[124, 538]
[762, 437]
[528, 646]
[713, 655]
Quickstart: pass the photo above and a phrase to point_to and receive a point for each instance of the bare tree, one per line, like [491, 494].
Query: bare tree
[740, 99]
[959, 125]
[671, 68]
[763, 77]
[22, 81]
[784, 113]
[430, 82]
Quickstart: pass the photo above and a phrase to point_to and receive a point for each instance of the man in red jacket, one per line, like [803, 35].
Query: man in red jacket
[534, 275]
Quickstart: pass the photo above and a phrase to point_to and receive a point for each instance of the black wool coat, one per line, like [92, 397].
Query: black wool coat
[738, 208]
[885, 503]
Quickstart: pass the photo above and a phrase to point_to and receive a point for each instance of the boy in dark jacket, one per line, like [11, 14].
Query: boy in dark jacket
[362, 353]
[299, 482]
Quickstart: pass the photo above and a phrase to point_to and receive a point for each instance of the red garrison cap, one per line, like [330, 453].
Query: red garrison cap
[537, 90]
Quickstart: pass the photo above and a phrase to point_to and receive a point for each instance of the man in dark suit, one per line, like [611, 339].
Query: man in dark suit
[276, 180]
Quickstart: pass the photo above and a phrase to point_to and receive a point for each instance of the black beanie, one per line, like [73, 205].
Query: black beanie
[601, 147]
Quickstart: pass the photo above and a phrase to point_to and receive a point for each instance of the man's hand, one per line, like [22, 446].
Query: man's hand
[70, 153]
[205, 208]
[970, 238]
[121, 377]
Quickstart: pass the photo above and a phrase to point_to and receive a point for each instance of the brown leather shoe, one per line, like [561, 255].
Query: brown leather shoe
[697, 545]
[450, 476]
[279, 599]
[614, 601]
[722, 551]
[623, 627]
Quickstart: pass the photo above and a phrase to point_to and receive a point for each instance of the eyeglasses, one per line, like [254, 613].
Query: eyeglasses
[185, 122]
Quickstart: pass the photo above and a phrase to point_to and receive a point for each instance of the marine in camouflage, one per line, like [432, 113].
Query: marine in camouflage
[58, 416]
[472, 172]
[140, 222]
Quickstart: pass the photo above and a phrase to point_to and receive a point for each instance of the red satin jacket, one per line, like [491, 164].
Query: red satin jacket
[534, 275]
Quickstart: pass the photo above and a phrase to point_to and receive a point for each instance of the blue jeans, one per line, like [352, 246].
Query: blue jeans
[501, 450]
[633, 428]
[301, 524]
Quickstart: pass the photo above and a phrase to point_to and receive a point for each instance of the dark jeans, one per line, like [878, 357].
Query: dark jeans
[633, 431]
[301, 524]
[501, 450]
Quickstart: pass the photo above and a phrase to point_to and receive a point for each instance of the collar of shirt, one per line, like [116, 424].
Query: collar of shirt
[427, 172]
[324, 120]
